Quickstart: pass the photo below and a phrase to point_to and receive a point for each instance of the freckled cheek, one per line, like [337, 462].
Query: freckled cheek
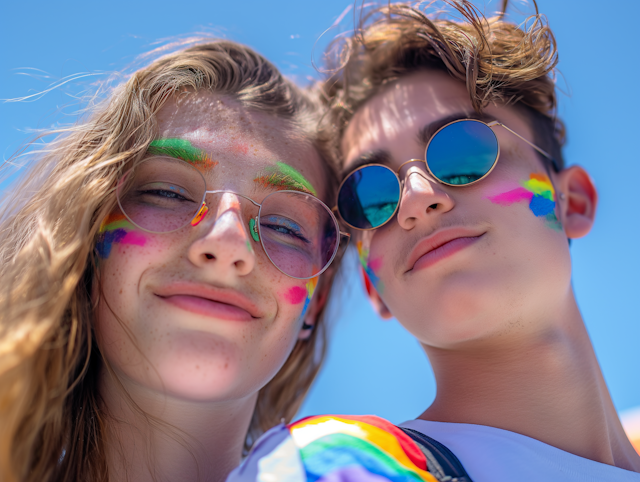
[122, 270]
[137, 243]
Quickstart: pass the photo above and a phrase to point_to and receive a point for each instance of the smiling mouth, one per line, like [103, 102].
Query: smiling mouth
[441, 246]
[208, 307]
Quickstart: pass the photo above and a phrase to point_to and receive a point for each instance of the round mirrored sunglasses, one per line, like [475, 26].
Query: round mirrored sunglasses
[298, 232]
[461, 153]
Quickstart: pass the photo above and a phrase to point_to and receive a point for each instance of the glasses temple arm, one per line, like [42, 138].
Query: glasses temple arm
[541, 151]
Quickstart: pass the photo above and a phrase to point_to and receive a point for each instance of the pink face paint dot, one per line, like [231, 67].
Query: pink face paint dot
[295, 295]
[134, 238]
[375, 264]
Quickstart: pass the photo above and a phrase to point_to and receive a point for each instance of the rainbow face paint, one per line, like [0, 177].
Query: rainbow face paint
[114, 229]
[370, 267]
[311, 288]
[181, 149]
[283, 177]
[540, 194]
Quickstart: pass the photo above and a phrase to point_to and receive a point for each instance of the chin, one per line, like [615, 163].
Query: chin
[201, 367]
[460, 309]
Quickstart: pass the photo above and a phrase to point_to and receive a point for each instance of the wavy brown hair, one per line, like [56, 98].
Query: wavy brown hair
[498, 61]
[52, 421]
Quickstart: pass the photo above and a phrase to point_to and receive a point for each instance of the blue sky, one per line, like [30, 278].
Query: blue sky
[373, 366]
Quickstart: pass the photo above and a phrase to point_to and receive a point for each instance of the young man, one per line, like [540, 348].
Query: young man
[469, 250]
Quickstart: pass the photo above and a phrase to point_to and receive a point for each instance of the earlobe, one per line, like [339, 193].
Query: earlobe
[374, 297]
[579, 203]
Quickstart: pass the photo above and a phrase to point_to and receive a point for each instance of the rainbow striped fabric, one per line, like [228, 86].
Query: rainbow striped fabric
[334, 448]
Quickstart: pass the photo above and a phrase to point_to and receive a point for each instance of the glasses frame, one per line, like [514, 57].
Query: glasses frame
[256, 226]
[401, 182]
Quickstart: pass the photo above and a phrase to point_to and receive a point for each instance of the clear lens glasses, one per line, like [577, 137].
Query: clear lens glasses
[298, 232]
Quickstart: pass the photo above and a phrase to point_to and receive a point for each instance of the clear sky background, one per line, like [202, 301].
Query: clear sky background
[373, 366]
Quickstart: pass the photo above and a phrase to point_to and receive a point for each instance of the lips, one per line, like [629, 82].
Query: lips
[225, 304]
[440, 245]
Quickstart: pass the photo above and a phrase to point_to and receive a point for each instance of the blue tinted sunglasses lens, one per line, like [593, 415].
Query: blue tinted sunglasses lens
[462, 152]
[369, 197]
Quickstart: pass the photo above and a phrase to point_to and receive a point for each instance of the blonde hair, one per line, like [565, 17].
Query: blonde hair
[497, 60]
[51, 417]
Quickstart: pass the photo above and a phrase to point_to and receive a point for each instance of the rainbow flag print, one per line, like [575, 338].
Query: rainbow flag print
[335, 448]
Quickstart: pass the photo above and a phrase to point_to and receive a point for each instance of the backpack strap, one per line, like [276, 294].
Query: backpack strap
[441, 462]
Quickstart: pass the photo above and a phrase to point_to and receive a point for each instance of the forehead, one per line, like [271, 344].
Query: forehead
[239, 139]
[394, 118]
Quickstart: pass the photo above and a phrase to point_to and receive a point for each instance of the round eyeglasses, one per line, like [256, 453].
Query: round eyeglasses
[298, 232]
[461, 153]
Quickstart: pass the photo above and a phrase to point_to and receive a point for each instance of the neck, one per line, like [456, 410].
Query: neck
[166, 438]
[547, 386]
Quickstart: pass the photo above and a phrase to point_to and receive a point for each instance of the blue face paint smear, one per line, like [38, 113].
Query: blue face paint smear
[541, 206]
[106, 240]
[311, 287]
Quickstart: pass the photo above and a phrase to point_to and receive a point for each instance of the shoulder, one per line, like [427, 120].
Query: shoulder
[340, 448]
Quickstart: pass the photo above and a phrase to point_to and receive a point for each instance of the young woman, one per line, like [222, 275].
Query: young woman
[164, 272]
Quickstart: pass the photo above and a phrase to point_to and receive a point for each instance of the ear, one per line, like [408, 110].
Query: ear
[579, 201]
[318, 302]
[374, 297]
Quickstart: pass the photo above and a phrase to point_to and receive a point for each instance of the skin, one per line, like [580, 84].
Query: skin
[200, 372]
[498, 319]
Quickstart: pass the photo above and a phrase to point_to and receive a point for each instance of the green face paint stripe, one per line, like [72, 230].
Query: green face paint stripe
[282, 176]
[253, 230]
[180, 149]
[281, 182]
[296, 176]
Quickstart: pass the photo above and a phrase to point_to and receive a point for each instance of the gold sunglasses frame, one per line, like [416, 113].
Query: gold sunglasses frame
[256, 226]
[490, 125]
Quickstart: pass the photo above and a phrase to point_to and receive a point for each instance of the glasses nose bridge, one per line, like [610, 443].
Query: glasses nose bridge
[225, 191]
[425, 173]
[212, 205]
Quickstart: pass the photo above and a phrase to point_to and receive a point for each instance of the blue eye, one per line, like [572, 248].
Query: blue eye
[284, 226]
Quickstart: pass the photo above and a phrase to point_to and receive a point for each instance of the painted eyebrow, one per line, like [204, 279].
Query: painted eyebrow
[283, 177]
[180, 149]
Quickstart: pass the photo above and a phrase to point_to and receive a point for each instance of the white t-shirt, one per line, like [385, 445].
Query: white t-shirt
[491, 454]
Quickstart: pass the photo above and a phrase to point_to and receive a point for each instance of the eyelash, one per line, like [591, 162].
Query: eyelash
[280, 223]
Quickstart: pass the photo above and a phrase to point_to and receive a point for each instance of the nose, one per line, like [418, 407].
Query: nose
[422, 199]
[225, 247]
